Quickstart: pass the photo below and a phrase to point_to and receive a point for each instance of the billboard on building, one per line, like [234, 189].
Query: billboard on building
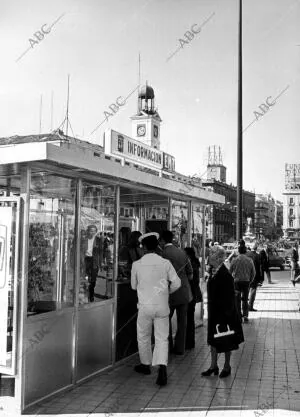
[292, 176]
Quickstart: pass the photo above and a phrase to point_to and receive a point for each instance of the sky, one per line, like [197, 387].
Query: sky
[97, 42]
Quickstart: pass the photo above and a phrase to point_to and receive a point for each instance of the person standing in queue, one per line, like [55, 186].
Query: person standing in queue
[154, 278]
[224, 329]
[180, 299]
[91, 248]
[197, 298]
[252, 254]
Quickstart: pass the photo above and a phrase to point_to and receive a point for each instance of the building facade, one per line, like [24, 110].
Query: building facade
[268, 217]
[221, 219]
[291, 204]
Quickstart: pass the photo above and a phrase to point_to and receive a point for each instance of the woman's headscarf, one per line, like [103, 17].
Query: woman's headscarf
[217, 256]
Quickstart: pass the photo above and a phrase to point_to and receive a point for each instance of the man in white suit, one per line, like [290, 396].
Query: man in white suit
[154, 278]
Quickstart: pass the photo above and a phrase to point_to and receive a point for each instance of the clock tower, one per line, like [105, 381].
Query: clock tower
[146, 123]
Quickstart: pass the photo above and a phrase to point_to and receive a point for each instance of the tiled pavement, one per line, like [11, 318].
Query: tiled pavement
[264, 381]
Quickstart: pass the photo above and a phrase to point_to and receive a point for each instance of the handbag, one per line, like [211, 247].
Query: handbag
[225, 333]
[225, 341]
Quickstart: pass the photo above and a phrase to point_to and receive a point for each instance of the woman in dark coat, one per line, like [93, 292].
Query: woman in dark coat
[197, 298]
[224, 329]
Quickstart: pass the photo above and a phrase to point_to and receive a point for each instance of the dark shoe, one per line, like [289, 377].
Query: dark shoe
[162, 378]
[245, 319]
[252, 309]
[142, 369]
[176, 352]
[189, 347]
[293, 282]
[224, 373]
[210, 371]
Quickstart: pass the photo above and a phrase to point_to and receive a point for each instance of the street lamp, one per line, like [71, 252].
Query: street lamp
[239, 188]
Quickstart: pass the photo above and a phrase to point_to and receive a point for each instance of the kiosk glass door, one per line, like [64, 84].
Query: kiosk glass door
[48, 333]
[9, 279]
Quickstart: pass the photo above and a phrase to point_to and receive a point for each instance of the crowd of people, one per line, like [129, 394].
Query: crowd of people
[167, 279]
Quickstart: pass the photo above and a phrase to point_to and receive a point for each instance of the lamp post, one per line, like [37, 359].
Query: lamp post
[239, 189]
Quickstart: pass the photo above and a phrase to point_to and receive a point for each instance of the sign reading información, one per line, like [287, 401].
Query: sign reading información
[136, 151]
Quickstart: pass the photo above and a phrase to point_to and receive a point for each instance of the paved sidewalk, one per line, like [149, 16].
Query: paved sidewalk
[264, 381]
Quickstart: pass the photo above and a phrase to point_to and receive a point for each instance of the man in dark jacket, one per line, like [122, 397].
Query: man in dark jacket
[258, 275]
[243, 272]
[265, 264]
[180, 299]
[295, 277]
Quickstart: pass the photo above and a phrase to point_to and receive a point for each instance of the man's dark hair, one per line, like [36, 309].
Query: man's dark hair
[167, 236]
[242, 249]
[150, 243]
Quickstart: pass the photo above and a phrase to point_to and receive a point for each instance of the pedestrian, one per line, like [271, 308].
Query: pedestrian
[243, 271]
[129, 253]
[154, 278]
[224, 329]
[258, 275]
[196, 245]
[264, 255]
[294, 264]
[197, 298]
[180, 299]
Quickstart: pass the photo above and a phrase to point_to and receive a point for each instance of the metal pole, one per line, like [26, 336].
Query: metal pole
[77, 271]
[170, 213]
[115, 274]
[239, 195]
[203, 212]
[189, 224]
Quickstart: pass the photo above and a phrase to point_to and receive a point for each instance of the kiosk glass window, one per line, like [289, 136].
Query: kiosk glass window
[180, 223]
[96, 242]
[51, 272]
[140, 212]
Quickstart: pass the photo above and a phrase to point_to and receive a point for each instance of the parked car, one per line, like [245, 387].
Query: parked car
[275, 260]
[286, 255]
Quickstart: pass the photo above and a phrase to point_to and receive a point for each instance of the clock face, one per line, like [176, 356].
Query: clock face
[141, 130]
[155, 131]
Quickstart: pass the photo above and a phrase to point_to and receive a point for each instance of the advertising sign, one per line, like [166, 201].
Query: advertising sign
[133, 150]
[168, 162]
[5, 242]
[292, 176]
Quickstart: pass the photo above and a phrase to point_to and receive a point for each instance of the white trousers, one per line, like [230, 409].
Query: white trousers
[148, 316]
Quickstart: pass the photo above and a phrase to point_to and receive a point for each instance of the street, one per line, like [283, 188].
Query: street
[264, 379]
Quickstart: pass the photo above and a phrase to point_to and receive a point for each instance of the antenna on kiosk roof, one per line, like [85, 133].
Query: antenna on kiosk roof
[139, 78]
[66, 119]
[41, 109]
